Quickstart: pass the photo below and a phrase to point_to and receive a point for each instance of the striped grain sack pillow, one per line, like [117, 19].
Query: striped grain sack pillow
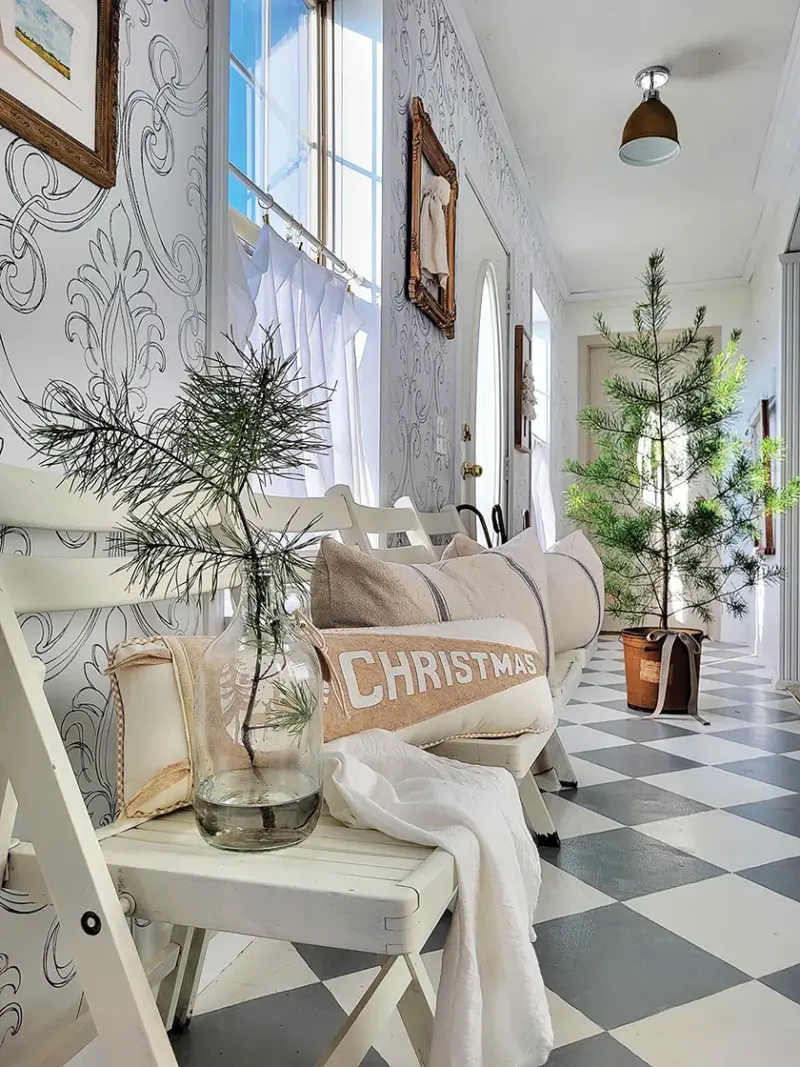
[426, 683]
[352, 588]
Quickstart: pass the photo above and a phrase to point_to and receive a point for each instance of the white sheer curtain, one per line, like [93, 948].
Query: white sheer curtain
[543, 512]
[334, 337]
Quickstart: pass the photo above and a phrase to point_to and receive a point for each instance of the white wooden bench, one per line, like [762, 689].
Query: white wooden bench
[342, 888]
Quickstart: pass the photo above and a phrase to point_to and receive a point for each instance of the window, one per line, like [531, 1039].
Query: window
[540, 358]
[305, 121]
[274, 105]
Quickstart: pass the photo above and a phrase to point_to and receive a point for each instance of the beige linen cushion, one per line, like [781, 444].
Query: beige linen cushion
[426, 683]
[577, 591]
[468, 582]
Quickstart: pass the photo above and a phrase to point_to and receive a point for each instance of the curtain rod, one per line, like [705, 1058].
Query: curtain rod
[269, 203]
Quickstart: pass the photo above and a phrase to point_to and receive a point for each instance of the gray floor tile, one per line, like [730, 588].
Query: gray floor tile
[757, 713]
[331, 962]
[743, 679]
[782, 813]
[599, 1051]
[632, 802]
[617, 967]
[641, 728]
[638, 761]
[289, 1029]
[750, 694]
[626, 864]
[762, 736]
[776, 770]
[782, 877]
[787, 983]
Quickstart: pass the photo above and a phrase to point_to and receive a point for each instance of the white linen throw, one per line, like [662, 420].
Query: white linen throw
[491, 1009]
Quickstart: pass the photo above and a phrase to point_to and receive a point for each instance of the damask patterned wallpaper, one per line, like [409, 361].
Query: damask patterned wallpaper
[98, 282]
[425, 58]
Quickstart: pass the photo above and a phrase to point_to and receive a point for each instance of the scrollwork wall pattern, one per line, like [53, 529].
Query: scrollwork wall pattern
[419, 366]
[98, 283]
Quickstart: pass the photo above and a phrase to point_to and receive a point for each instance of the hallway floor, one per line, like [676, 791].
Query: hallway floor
[668, 923]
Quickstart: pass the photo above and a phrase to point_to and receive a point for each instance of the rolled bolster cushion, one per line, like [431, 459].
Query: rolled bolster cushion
[577, 591]
[427, 683]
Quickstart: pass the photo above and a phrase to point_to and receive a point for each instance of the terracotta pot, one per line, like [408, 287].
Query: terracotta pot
[643, 669]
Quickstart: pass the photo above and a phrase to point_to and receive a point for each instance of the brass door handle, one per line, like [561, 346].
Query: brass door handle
[471, 470]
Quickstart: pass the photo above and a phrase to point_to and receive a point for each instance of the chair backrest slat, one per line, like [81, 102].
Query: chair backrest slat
[36, 500]
[444, 523]
[371, 525]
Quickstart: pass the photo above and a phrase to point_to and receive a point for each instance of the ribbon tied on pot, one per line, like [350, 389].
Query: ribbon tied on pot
[692, 646]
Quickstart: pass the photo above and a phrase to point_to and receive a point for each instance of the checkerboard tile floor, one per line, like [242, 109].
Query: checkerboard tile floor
[668, 923]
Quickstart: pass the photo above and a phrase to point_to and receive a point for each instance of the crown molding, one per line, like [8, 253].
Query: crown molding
[477, 62]
[612, 295]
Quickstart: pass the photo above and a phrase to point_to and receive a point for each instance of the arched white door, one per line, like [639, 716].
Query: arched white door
[481, 334]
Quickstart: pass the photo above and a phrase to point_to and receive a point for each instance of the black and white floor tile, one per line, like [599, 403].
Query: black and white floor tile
[668, 923]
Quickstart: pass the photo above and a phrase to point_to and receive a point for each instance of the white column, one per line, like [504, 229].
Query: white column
[790, 431]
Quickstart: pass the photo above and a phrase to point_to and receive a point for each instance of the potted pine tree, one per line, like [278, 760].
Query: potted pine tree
[674, 497]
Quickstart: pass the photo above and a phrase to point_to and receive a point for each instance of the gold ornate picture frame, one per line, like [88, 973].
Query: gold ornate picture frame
[59, 60]
[437, 301]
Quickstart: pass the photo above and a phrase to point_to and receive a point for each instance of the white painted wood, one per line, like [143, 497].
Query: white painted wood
[8, 815]
[444, 523]
[76, 874]
[560, 761]
[369, 1016]
[37, 500]
[59, 1046]
[342, 888]
[789, 525]
[417, 1008]
[177, 993]
[536, 813]
[369, 525]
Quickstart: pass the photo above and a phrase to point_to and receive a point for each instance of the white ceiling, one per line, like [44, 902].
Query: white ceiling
[564, 70]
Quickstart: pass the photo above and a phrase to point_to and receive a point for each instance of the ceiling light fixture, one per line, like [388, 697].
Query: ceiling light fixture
[650, 136]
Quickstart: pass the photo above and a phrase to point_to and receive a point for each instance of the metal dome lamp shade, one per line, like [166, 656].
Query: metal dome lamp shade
[650, 136]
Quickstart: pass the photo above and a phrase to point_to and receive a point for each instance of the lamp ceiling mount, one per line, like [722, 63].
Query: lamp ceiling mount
[652, 78]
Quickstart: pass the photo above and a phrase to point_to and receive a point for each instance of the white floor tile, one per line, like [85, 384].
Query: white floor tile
[573, 820]
[746, 925]
[712, 701]
[569, 1024]
[740, 1027]
[792, 725]
[724, 839]
[780, 704]
[264, 967]
[592, 773]
[589, 713]
[791, 755]
[563, 894]
[716, 787]
[593, 694]
[713, 722]
[393, 1044]
[604, 677]
[704, 748]
[585, 739]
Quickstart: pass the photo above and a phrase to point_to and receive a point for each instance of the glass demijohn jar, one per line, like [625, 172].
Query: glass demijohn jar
[258, 734]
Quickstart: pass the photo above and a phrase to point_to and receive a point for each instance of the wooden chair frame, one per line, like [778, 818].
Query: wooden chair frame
[161, 870]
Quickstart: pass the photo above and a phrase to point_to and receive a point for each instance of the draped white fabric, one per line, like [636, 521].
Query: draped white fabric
[543, 512]
[334, 336]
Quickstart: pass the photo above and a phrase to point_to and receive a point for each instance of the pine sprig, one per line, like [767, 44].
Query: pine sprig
[186, 479]
[673, 498]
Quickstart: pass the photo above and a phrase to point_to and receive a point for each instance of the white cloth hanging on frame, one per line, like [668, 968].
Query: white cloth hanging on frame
[335, 340]
[433, 229]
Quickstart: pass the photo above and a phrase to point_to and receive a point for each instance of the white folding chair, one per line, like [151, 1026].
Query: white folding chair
[342, 888]
[437, 524]
[370, 528]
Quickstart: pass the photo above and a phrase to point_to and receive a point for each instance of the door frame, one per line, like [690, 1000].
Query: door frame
[507, 354]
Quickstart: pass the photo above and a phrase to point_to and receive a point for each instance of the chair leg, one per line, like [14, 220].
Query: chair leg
[536, 813]
[178, 991]
[560, 762]
[417, 1008]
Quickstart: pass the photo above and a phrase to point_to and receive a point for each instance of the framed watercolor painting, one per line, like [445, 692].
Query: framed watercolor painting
[58, 72]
